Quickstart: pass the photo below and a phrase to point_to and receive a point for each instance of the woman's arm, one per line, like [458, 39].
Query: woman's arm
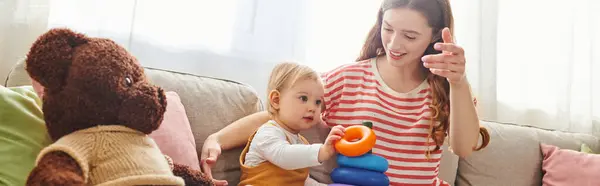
[234, 135]
[237, 133]
[464, 122]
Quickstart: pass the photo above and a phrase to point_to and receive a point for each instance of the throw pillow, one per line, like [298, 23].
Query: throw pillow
[174, 137]
[569, 167]
[22, 133]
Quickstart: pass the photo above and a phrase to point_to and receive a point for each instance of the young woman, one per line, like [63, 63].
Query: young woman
[409, 81]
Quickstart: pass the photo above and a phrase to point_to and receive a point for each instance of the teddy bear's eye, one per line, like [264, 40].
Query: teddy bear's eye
[128, 81]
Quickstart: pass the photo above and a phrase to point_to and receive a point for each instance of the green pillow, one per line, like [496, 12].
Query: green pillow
[22, 133]
[586, 149]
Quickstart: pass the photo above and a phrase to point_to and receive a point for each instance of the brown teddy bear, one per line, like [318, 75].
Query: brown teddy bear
[99, 108]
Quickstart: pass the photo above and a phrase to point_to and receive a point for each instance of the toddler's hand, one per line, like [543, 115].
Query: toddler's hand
[327, 150]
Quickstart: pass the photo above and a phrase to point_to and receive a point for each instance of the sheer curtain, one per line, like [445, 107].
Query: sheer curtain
[20, 24]
[534, 62]
[530, 62]
[233, 39]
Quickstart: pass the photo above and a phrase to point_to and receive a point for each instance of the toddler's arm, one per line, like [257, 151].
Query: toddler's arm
[271, 143]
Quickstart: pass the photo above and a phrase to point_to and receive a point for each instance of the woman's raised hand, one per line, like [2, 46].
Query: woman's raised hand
[450, 63]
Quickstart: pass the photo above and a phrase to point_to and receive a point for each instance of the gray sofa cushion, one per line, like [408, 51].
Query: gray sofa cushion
[211, 104]
[513, 156]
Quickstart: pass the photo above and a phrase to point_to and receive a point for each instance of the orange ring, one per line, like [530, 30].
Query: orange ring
[357, 140]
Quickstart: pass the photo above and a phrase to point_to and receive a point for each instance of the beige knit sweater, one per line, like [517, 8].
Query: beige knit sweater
[116, 155]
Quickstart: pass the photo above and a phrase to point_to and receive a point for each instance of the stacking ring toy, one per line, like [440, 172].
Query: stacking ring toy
[357, 140]
[370, 162]
[354, 176]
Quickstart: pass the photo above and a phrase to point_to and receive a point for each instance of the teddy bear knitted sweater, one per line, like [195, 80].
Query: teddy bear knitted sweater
[116, 155]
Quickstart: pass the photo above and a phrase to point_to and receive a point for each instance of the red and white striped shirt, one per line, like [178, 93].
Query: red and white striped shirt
[355, 93]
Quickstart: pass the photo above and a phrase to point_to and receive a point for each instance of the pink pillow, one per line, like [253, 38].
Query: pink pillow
[174, 136]
[568, 167]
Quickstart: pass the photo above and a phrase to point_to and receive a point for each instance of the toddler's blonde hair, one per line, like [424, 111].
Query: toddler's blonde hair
[284, 76]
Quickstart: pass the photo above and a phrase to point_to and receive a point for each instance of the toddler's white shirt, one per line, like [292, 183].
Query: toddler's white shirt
[270, 143]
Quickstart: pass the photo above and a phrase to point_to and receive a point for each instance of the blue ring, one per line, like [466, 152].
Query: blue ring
[368, 161]
[362, 177]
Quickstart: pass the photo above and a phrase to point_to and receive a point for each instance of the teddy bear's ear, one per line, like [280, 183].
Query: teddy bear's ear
[50, 56]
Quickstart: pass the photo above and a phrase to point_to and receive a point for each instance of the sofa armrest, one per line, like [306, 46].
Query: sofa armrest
[17, 76]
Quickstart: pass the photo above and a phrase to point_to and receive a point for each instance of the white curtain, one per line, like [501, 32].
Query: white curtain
[530, 62]
[534, 62]
[232, 39]
[20, 23]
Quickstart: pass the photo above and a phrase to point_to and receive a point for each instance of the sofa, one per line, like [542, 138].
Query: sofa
[513, 156]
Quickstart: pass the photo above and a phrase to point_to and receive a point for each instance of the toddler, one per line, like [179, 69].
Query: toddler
[276, 154]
